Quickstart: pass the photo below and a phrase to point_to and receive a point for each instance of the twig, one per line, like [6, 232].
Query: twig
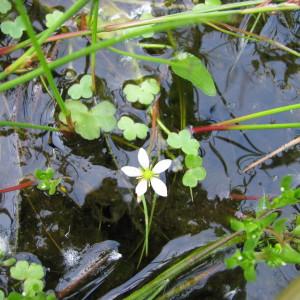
[275, 152]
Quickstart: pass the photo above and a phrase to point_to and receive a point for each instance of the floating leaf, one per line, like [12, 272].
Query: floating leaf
[193, 161]
[183, 140]
[88, 123]
[46, 181]
[53, 17]
[83, 89]
[192, 176]
[191, 68]
[32, 287]
[132, 130]
[20, 270]
[23, 270]
[2, 295]
[5, 6]
[143, 93]
[13, 28]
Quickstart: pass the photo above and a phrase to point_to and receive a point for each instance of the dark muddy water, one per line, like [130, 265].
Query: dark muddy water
[99, 204]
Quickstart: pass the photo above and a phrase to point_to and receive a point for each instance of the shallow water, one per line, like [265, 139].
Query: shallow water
[100, 206]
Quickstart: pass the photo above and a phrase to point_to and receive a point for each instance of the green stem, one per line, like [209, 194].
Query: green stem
[146, 225]
[162, 126]
[182, 265]
[142, 57]
[43, 37]
[94, 41]
[184, 20]
[260, 114]
[26, 125]
[23, 13]
[264, 126]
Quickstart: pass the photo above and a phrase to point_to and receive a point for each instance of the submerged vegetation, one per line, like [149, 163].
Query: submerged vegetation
[109, 123]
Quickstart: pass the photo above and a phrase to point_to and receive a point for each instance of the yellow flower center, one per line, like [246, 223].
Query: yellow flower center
[147, 174]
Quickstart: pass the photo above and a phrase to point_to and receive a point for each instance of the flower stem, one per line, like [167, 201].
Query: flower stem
[146, 241]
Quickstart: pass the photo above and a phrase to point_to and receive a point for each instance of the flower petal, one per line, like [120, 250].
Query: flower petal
[143, 158]
[141, 187]
[159, 187]
[162, 166]
[131, 171]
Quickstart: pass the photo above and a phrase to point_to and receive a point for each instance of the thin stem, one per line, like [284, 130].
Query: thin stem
[162, 126]
[245, 127]
[142, 57]
[163, 24]
[44, 36]
[27, 125]
[260, 114]
[22, 11]
[146, 242]
[94, 41]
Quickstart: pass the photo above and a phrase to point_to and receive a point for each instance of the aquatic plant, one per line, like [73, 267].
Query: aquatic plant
[148, 175]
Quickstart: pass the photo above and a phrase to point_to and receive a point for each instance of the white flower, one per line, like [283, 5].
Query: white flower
[146, 174]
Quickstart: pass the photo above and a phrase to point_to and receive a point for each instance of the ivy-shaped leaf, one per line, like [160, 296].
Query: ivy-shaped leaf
[53, 17]
[13, 28]
[88, 123]
[5, 6]
[143, 93]
[191, 68]
[23, 270]
[32, 287]
[132, 130]
[83, 89]
[192, 176]
[184, 141]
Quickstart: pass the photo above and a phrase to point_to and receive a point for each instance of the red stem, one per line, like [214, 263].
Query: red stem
[20, 186]
[201, 129]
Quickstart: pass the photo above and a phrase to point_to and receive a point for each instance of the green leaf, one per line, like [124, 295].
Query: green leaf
[191, 68]
[13, 28]
[193, 161]
[279, 225]
[5, 7]
[33, 287]
[184, 141]
[83, 89]
[236, 225]
[192, 176]
[20, 270]
[44, 174]
[286, 183]
[8, 262]
[88, 123]
[53, 17]
[296, 230]
[132, 130]
[2, 295]
[143, 93]
[15, 296]
[290, 255]
[35, 271]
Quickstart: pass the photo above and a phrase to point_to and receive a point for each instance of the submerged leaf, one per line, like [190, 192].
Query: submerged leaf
[88, 123]
[191, 68]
